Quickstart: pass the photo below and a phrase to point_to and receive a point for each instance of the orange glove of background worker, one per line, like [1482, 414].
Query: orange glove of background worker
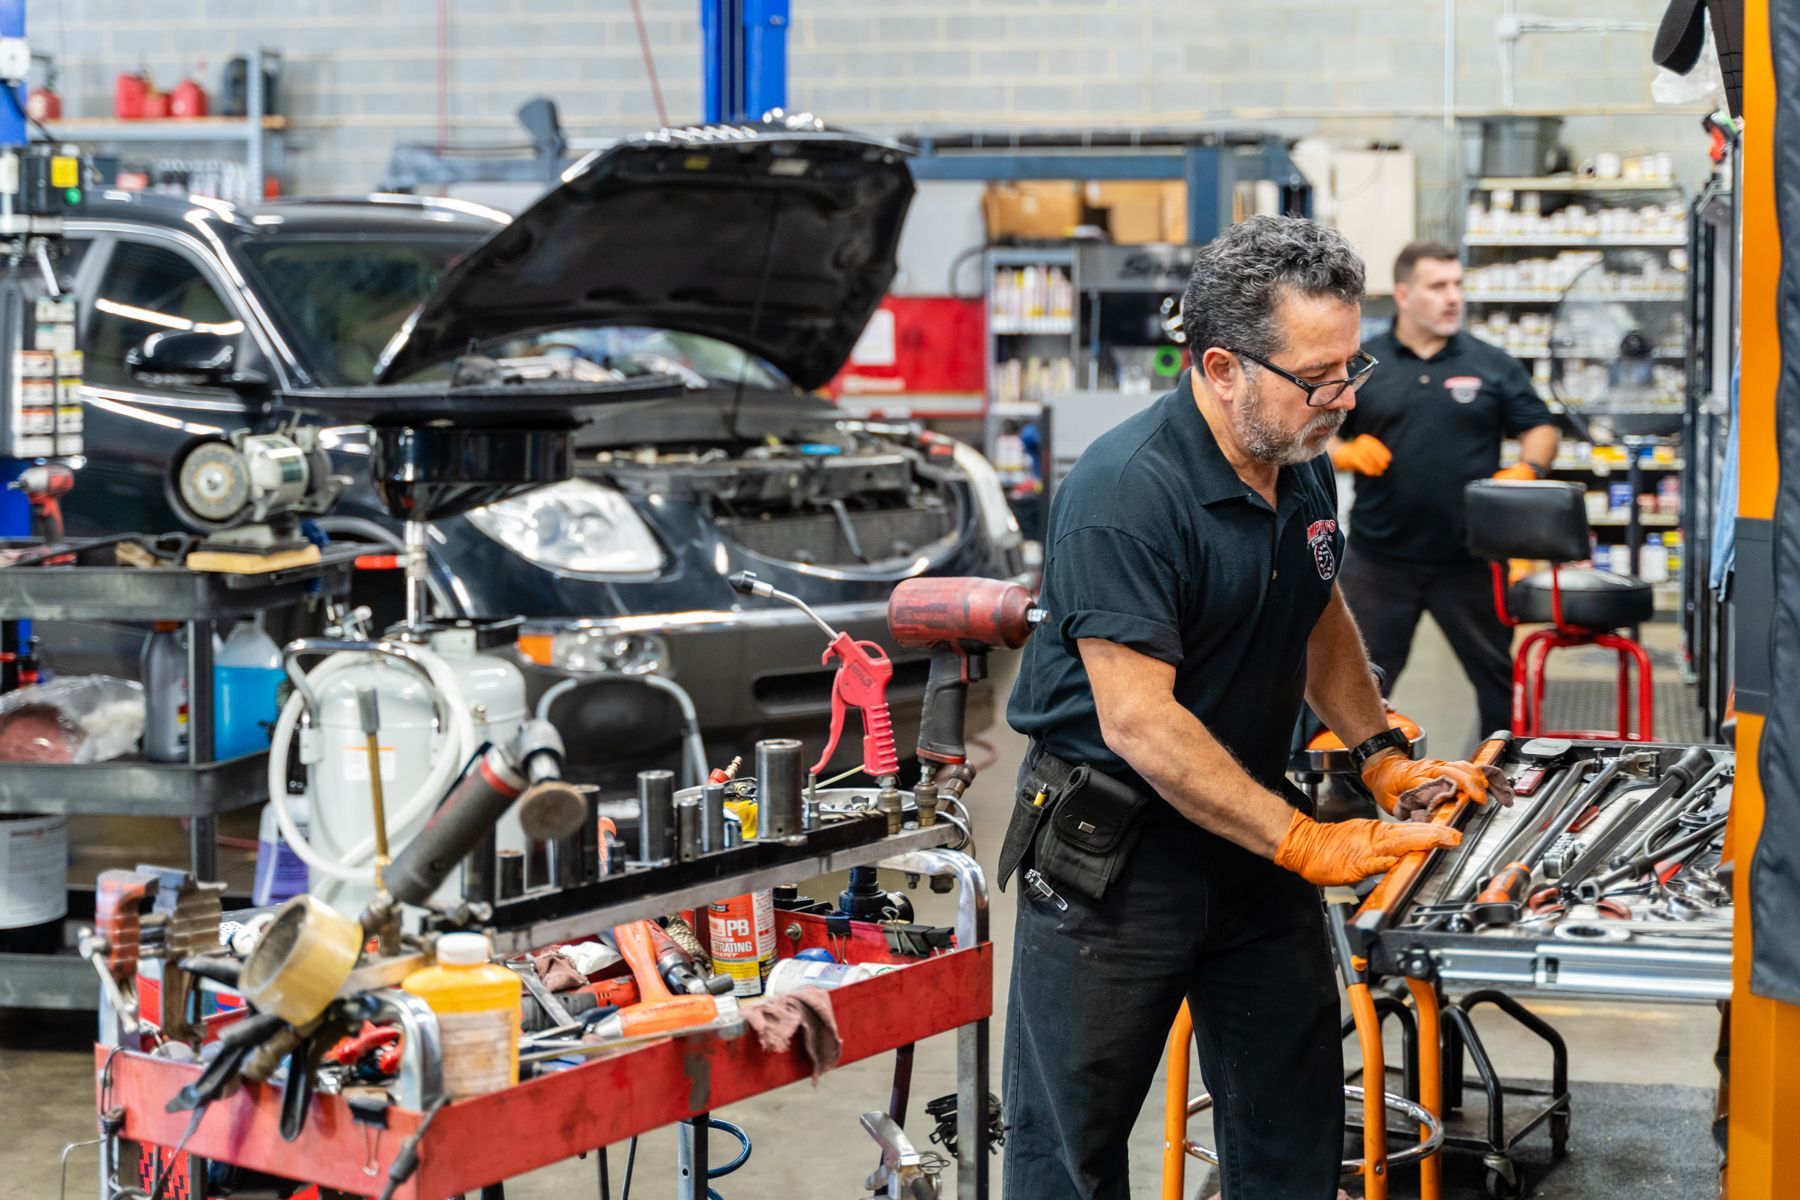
[1519, 470]
[1409, 787]
[1345, 852]
[1364, 454]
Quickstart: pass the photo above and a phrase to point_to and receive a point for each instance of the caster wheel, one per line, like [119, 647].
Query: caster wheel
[1559, 1135]
[1505, 1184]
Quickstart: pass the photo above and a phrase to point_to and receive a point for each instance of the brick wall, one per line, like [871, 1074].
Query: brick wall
[363, 73]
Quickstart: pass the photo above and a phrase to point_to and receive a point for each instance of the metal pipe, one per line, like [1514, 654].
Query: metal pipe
[294, 651]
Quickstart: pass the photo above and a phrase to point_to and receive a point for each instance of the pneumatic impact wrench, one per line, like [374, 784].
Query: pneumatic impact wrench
[960, 620]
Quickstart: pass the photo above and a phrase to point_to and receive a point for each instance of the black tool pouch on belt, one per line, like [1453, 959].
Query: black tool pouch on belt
[1081, 835]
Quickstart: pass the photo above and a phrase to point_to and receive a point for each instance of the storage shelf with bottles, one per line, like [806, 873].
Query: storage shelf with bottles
[1030, 349]
[200, 786]
[186, 149]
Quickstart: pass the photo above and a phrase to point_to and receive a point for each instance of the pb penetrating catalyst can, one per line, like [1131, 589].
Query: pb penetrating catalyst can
[743, 940]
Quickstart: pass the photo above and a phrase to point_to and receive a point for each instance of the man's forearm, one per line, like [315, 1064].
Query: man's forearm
[1187, 766]
[1537, 446]
[1340, 683]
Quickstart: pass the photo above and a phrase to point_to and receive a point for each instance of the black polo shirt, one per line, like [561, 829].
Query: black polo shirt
[1156, 544]
[1444, 418]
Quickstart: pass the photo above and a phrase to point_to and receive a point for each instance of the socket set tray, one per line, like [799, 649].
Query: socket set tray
[1624, 897]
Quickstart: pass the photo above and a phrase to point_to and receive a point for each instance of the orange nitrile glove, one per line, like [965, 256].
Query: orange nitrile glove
[1519, 470]
[1364, 454]
[1346, 852]
[1410, 788]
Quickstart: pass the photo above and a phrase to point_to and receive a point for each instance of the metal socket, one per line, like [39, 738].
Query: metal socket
[687, 829]
[779, 783]
[656, 816]
[712, 817]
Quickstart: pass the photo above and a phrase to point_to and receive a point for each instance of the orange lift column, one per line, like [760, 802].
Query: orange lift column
[1764, 1099]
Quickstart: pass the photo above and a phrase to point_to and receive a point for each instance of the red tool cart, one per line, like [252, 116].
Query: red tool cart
[475, 1143]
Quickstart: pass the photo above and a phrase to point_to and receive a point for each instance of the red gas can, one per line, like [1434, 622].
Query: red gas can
[187, 100]
[129, 91]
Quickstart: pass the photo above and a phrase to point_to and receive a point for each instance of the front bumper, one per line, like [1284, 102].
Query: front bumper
[751, 674]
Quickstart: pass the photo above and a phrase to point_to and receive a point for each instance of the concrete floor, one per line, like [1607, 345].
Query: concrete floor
[808, 1145]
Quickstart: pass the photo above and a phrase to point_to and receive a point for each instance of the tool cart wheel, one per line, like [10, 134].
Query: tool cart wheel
[1503, 1182]
[1559, 1135]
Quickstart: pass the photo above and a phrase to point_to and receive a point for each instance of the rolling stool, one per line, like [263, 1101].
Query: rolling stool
[1376, 1164]
[1325, 756]
[1581, 606]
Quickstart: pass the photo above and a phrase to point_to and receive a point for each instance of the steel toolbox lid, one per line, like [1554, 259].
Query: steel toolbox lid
[778, 237]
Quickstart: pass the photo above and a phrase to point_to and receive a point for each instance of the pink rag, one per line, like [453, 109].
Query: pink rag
[806, 1012]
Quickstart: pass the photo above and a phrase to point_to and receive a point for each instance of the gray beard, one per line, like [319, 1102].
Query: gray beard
[1269, 443]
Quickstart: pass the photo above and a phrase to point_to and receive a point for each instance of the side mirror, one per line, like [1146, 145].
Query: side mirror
[190, 358]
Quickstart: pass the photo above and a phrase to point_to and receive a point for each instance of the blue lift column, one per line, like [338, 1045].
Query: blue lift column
[743, 58]
[15, 505]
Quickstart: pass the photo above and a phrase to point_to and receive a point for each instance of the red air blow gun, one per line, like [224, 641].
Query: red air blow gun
[863, 672]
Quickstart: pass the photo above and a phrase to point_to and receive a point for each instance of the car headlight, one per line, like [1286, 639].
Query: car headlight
[996, 514]
[577, 527]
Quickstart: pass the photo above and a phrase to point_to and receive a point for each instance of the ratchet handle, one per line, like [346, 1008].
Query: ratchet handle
[1498, 902]
[1378, 909]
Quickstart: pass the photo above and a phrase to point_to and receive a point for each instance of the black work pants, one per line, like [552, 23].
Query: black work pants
[1387, 600]
[1095, 989]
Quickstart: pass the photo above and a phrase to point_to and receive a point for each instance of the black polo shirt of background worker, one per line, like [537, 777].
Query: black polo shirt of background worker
[1157, 545]
[1443, 418]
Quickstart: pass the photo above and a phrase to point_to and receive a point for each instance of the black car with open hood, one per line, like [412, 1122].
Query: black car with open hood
[781, 243]
[695, 282]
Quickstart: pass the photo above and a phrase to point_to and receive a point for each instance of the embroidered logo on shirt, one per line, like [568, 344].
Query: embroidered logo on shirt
[1463, 388]
[1318, 536]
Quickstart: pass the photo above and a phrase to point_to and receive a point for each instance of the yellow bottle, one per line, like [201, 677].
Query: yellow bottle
[477, 1006]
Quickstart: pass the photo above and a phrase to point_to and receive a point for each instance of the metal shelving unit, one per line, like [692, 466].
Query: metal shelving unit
[1488, 248]
[199, 789]
[260, 134]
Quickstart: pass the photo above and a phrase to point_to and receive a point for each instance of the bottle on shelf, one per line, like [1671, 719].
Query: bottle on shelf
[164, 667]
[246, 690]
[280, 874]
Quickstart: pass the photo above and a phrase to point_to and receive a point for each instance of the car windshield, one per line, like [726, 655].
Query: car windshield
[343, 298]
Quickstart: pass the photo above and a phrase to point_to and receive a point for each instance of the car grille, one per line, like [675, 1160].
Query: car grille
[819, 538]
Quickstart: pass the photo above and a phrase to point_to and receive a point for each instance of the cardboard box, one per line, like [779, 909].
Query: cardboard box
[1141, 212]
[1031, 209]
[1175, 213]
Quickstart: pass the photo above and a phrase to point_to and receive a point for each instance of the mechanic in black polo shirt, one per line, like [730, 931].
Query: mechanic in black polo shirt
[1430, 422]
[1189, 579]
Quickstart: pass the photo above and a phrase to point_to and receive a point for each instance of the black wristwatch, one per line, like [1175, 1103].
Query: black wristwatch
[1388, 739]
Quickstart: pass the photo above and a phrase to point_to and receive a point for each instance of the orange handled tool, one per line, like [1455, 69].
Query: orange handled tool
[656, 1017]
[1499, 900]
[637, 946]
[1382, 905]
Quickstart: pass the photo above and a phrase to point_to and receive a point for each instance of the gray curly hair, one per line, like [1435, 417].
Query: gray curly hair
[1239, 277]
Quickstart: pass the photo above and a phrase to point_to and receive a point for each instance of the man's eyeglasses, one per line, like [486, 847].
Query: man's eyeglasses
[1320, 394]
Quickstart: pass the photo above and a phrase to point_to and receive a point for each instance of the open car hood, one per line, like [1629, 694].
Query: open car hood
[777, 237]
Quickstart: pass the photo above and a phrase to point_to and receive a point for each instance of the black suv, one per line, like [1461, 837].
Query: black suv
[745, 261]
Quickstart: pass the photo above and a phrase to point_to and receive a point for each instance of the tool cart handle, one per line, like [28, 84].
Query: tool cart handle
[1379, 908]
